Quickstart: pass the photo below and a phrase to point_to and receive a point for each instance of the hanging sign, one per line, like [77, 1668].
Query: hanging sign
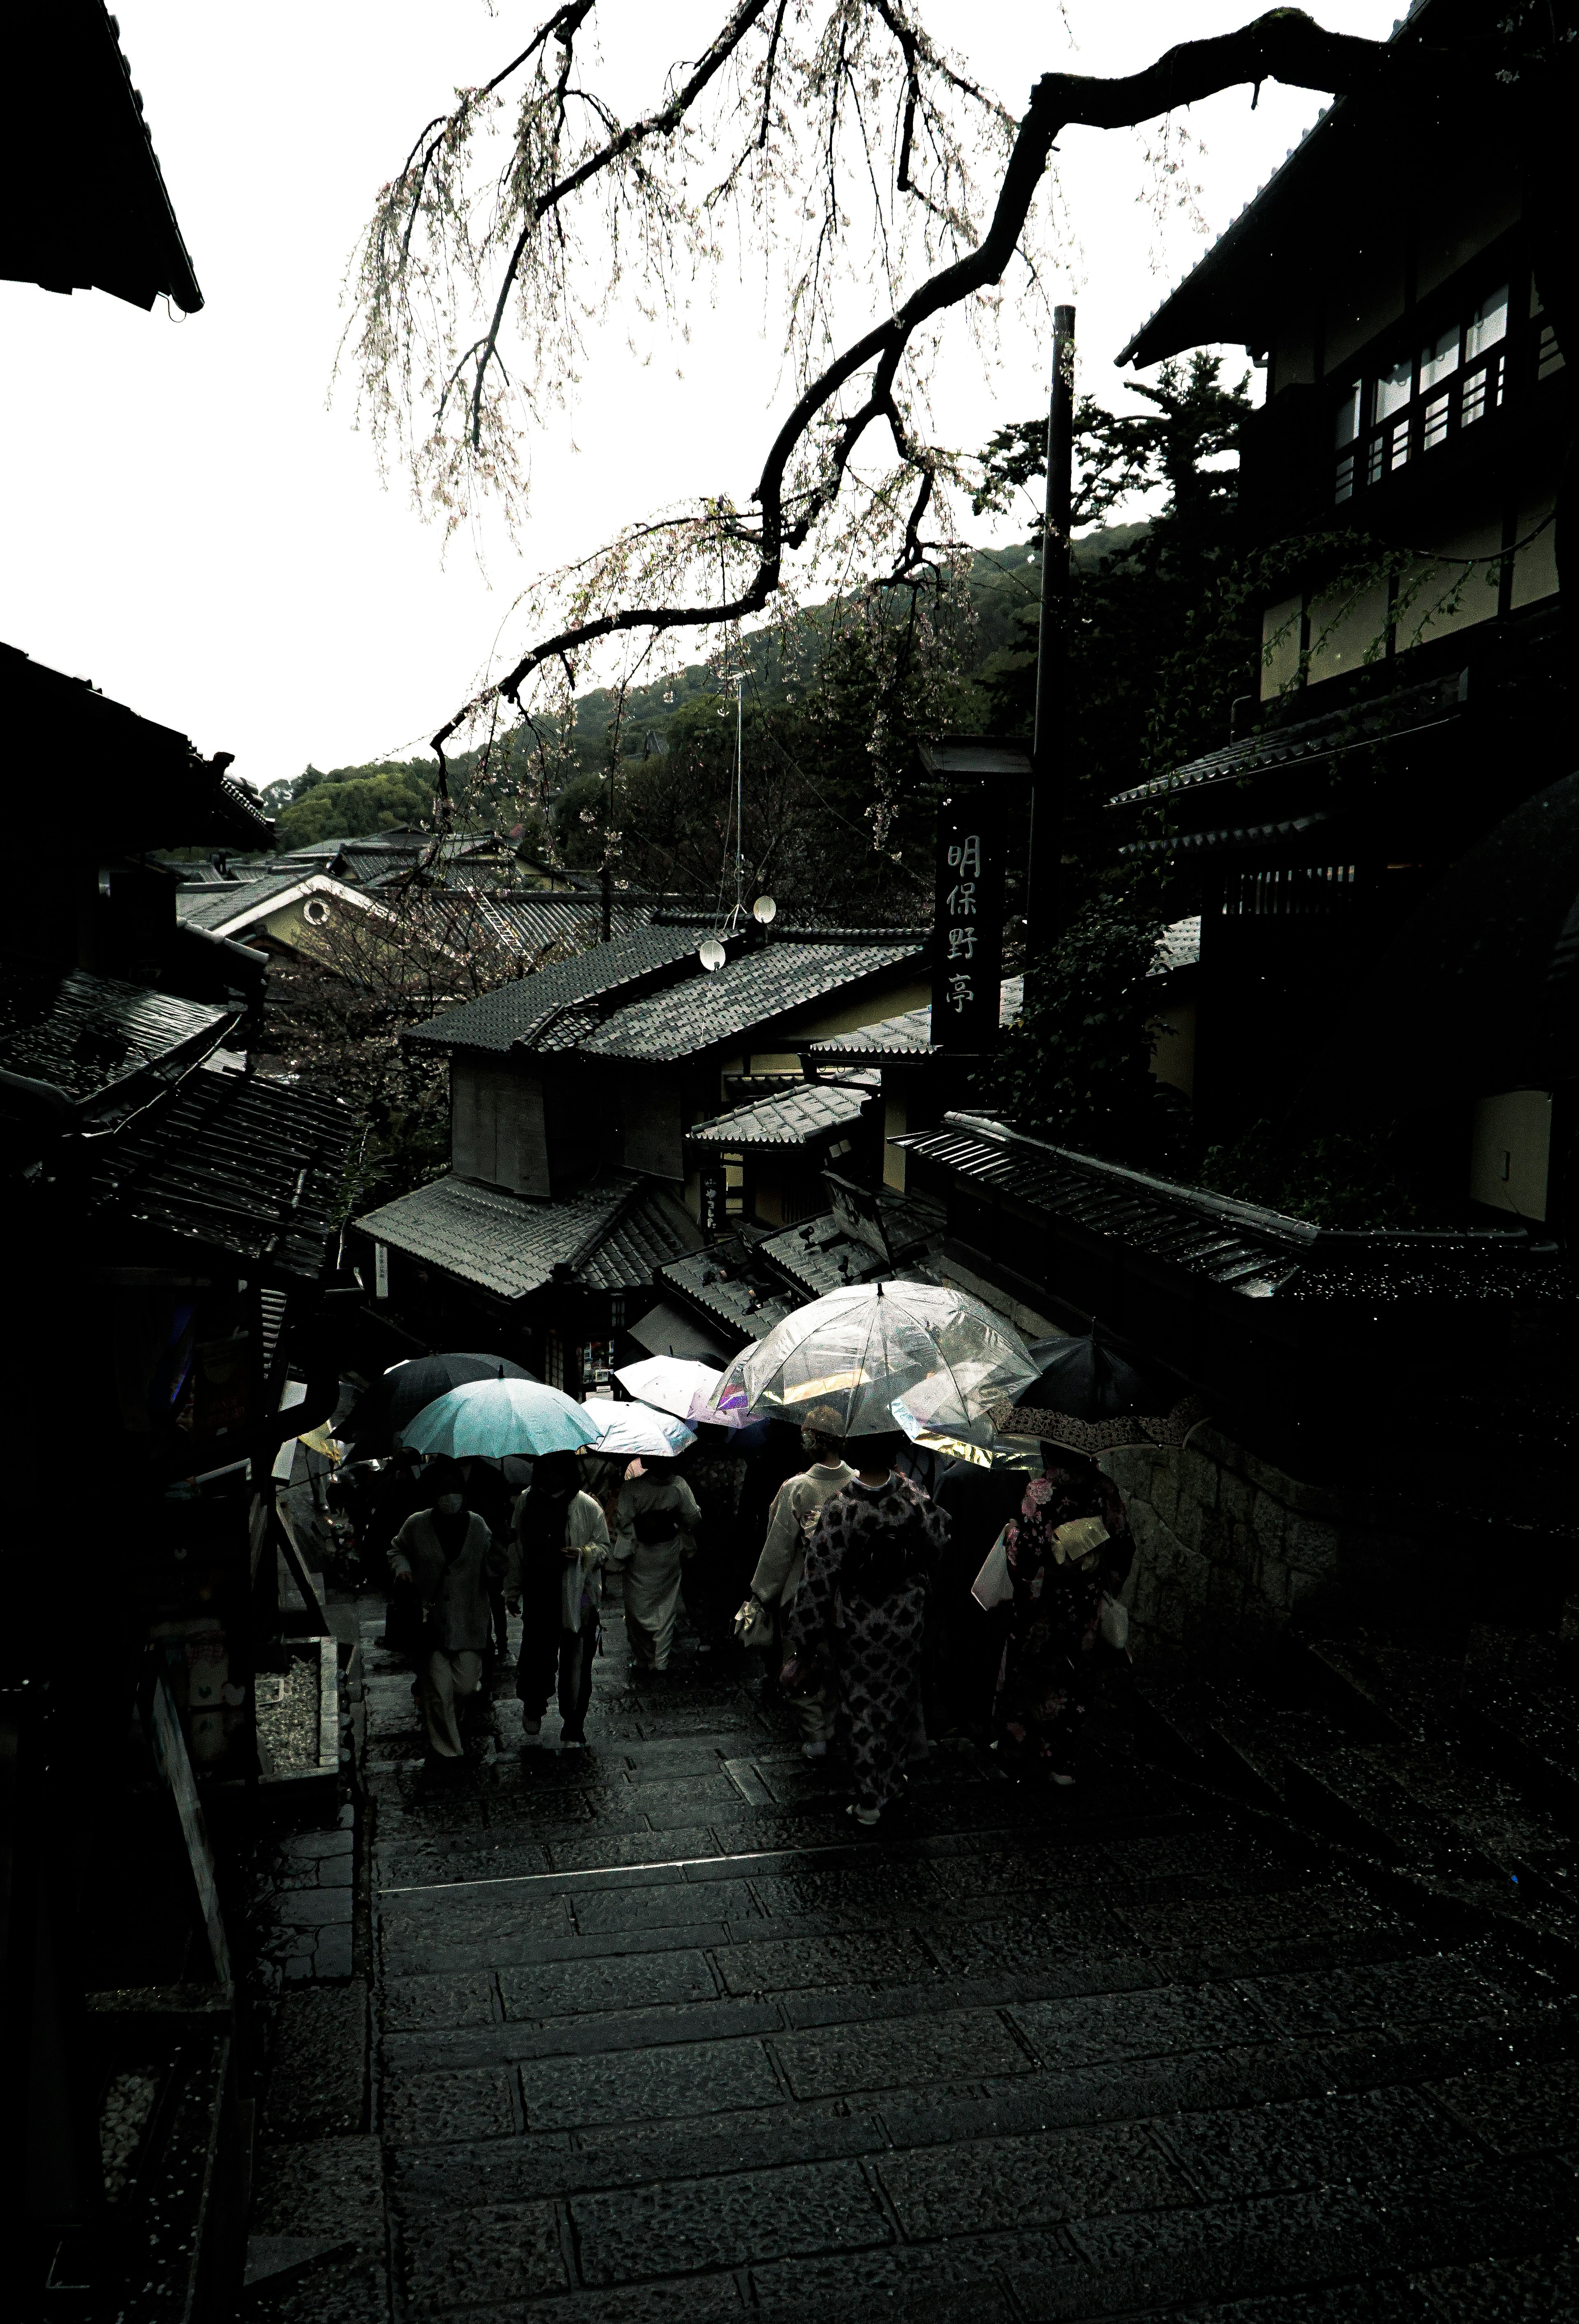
[713, 1199]
[968, 923]
[380, 1270]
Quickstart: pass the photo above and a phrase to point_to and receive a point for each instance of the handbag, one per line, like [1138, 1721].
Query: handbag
[994, 1585]
[753, 1625]
[1113, 1623]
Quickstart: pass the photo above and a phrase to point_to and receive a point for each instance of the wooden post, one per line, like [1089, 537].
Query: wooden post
[1042, 916]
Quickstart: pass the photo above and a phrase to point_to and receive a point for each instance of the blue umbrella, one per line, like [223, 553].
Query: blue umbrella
[497, 1418]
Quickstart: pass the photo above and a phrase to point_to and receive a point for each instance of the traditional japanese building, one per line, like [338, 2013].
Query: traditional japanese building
[612, 1112]
[1401, 483]
[171, 1239]
[1391, 1408]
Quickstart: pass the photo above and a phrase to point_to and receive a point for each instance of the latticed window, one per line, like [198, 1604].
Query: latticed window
[1312, 891]
[1406, 409]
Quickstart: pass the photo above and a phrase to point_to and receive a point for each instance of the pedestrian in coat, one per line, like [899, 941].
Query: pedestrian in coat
[715, 1471]
[491, 1497]
[1052, 1656]
[398, 1494]
[862, 1600]
[554, 1579]
[793, 1520]
[446, 1554]
[657, 1517]
[965, 1644]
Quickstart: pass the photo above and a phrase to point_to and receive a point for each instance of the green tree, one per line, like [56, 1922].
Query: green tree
[350, 806]
[1151, 666]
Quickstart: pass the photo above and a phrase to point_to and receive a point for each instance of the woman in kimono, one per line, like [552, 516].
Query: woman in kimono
[1052, 1655]
[862, 1604]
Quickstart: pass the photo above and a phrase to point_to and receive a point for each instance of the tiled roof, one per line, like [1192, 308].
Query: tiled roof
[138, 785]
[907, 1035]
[656, 1228]
[789, 1117]
[1408, 710]
[1238, 1247]
[910, 1035]
[519, 1010]
[231, 900]
[109, 223]
[746, 991]
[1194, 312]
[91, 1037]
[1234, 1244]
[511, 1246]
[818, 1256]
[243, 1165]
[533, 917]
[727, 1284]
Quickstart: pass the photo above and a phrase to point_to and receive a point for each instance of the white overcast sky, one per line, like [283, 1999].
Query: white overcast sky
[191, 523]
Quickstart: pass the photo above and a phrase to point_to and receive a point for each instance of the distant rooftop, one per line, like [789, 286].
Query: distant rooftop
[704, 1009]
[612, 1234]
[907, 1035]
[796, 1116]
[521, 1011]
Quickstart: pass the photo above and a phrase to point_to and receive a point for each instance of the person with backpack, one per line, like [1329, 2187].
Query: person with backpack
[862, 1600]
[792, 1522]
[657, 1519]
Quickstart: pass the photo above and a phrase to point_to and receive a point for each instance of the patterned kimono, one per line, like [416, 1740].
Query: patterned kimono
[1045, 1682]
[875, 1642]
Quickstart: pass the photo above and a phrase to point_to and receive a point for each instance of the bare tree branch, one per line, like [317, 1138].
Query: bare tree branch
[1283, 45]
[654, 125]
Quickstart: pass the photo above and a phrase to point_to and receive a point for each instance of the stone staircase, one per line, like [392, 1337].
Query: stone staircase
[1270, 2019]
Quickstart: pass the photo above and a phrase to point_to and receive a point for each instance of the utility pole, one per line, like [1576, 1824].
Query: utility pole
[1042, 918]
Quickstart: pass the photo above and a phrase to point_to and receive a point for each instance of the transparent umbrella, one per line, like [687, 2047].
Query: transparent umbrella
[637, 1429]
[918, 1356]
[673, 1384]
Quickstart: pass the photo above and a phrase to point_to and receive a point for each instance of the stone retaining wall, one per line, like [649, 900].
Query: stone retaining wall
[1230, 1550]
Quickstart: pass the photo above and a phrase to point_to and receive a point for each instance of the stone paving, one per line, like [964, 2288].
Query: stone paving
[655, 2035]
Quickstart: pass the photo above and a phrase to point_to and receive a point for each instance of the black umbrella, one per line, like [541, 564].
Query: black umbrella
[387, 1407]
[1093, 1396]
[1479, 989]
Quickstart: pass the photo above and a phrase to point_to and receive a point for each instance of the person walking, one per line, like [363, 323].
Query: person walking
[965, 1644]
[1069, 1546]
[554, 1580]
[446, 1556]
[791, 1523]
[397, 1496]
[490, 1496]
[862, 1599]
[657, 1517]
[715, 1471]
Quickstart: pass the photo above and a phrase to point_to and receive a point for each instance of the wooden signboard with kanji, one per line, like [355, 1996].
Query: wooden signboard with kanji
[968, 925]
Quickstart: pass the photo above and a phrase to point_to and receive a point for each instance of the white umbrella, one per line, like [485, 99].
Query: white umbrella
[635, 1428]
[919, 1356]
[673, 1384]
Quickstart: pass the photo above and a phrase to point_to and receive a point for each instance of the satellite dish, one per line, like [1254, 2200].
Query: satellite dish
[763, 909]
[710, 953]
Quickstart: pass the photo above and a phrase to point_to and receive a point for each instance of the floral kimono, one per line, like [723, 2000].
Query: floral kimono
[1044, 1683]
[862, 1599]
